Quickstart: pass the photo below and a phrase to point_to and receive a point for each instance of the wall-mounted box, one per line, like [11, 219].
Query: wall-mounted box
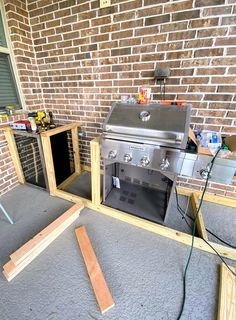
[105, 3]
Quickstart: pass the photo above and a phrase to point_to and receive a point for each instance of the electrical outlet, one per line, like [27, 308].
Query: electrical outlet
[105, 3]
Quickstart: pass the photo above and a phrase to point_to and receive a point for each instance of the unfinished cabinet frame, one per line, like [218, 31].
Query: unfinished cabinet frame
[96, 205]
[9, 134]
[47, 149]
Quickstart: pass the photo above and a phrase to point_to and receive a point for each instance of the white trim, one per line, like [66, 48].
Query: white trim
[9, 50]
[4, 50]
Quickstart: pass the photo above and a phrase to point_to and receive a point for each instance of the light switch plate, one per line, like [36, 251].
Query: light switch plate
[105, 3]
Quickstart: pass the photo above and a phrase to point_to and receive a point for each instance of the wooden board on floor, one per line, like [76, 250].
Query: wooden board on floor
[101, 290]
[56, 227]
[29, 251]
[12, 270]
[227, 294]
[199, 222]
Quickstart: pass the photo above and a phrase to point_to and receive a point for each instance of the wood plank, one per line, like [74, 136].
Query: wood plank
[70, 179]
[101, 290]
[200, 221]
[88, 168]
[49, 164]
[95, 170]
[84, 167]
[57, 225]
[12, 270]
[14, 154]
[227, 294]
[60, 129]
[75, 144]
[150, 226]
[225, 201]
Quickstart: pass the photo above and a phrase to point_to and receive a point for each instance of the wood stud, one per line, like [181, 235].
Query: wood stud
[95, 171]
[227, 294]
[198, 214]
[14, 154]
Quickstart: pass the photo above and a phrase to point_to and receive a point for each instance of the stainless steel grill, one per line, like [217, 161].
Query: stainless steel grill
[144, 149]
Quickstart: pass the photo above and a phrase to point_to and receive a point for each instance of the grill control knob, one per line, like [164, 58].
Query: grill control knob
[205, 172]
[164, 164]
[127, 157]
[112, 154]
[144, 161]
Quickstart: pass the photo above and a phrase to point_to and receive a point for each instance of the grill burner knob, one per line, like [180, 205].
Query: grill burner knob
[164, 164]
[127, 157]
[205, 172]
[144, 161]
[112, 154]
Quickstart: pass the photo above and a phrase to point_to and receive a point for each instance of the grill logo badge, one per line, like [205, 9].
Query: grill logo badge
[137, 148]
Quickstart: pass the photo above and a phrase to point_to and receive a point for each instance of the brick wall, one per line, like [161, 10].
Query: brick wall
[89, 57]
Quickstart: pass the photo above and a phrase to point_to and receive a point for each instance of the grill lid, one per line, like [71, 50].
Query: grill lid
[161, 124]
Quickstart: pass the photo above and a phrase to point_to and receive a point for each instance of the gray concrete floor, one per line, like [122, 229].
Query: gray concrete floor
[143, 270]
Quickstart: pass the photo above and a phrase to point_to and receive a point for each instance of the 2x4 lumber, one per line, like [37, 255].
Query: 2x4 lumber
[28, 252]
[68, 181]
[60, 129]
[95, 170]
[75, 145]
[47, 151]
[199, 217]
[225, 201]
[101, 290]
[178, 236]
[49, 233]
[85, 167]
[10, 270]
[227, 294]
[14, 154]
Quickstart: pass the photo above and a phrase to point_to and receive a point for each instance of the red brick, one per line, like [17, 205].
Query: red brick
[203, 23]
[101, 21]
[208, 52]
[130, 5]
[157, 20]
[205, 3]
[216, 11]
[181, 6]
[157, 10]
[122, 34]
[185, 15]
[231, 41]
[218, 97]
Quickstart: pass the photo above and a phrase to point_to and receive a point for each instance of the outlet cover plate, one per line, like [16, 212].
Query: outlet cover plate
[105, 3]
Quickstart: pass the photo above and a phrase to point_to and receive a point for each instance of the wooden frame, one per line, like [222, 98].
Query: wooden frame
[198, 214]
[96, 205]
[14, 154]
[227, 294]
[47, 149]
